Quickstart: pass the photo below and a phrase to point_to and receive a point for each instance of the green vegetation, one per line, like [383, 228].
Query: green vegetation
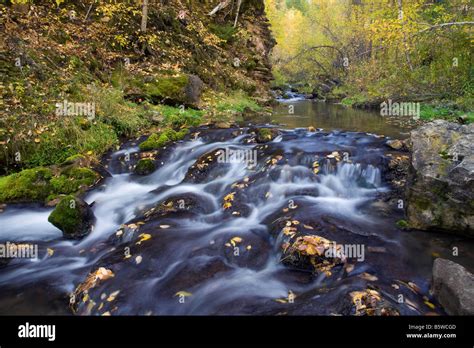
[180, 117]
[447, 112]
[265, 134]
[40, 184]
[66, 216]
[127, 74]
[402, 224]
[366, 52]
[145, 166]
[237, 102]
[155, 87]
[225, 32]
[72, 179]
[154, 141]
[29, 184]
[158, 140]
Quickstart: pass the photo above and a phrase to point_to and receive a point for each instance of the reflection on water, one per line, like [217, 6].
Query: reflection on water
[334, 116]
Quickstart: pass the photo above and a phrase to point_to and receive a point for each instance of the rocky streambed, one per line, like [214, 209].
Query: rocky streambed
[236, 221]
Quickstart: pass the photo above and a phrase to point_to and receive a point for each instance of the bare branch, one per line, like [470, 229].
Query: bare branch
[443, 25]
[219, 7]
[239, 3]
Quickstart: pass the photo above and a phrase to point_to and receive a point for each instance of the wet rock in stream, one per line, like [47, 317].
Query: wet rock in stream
[441, 180]
[453, 285]
[73, 216]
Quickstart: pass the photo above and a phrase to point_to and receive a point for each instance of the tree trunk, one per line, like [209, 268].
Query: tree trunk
[407, 53]
[239, 3]
[144, 15]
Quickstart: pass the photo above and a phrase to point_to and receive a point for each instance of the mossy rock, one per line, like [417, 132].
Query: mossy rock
[158, 140]
[74, 159]
[265, 135]
[179, 89]
[73, 179]
[167, 87]
[154, 141]
[41, 183]
[27, 185]
[73, 217]
[144, 167]
[176, 135]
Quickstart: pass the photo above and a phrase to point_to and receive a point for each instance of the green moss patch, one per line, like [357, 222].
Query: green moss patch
[403, 224]
[39, 184]
[155, 88]
[27, 185]
[73, 179]
[265, 134]
[224, 32]
[145, 166]
[158, 140]
[67, 215]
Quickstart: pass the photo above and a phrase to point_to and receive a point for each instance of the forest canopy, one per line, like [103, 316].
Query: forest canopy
[376, 49]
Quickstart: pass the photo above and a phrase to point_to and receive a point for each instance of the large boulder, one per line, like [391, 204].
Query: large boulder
[178, 89]
[73, 217]
[440, 191]
[453, 286]
[193, 90]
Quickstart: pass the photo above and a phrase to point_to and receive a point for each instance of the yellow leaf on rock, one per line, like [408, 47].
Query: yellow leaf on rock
[229, 197]
[143, 237]
[236, 239]
[112, 296]
[429, 304]
[103, 273]
[183, 294]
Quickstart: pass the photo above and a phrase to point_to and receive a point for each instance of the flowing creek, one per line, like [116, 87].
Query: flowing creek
[178, 239]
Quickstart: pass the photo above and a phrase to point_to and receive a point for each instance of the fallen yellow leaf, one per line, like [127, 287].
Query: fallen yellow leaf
[183, 294]
[112, 296]
[143, 237]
